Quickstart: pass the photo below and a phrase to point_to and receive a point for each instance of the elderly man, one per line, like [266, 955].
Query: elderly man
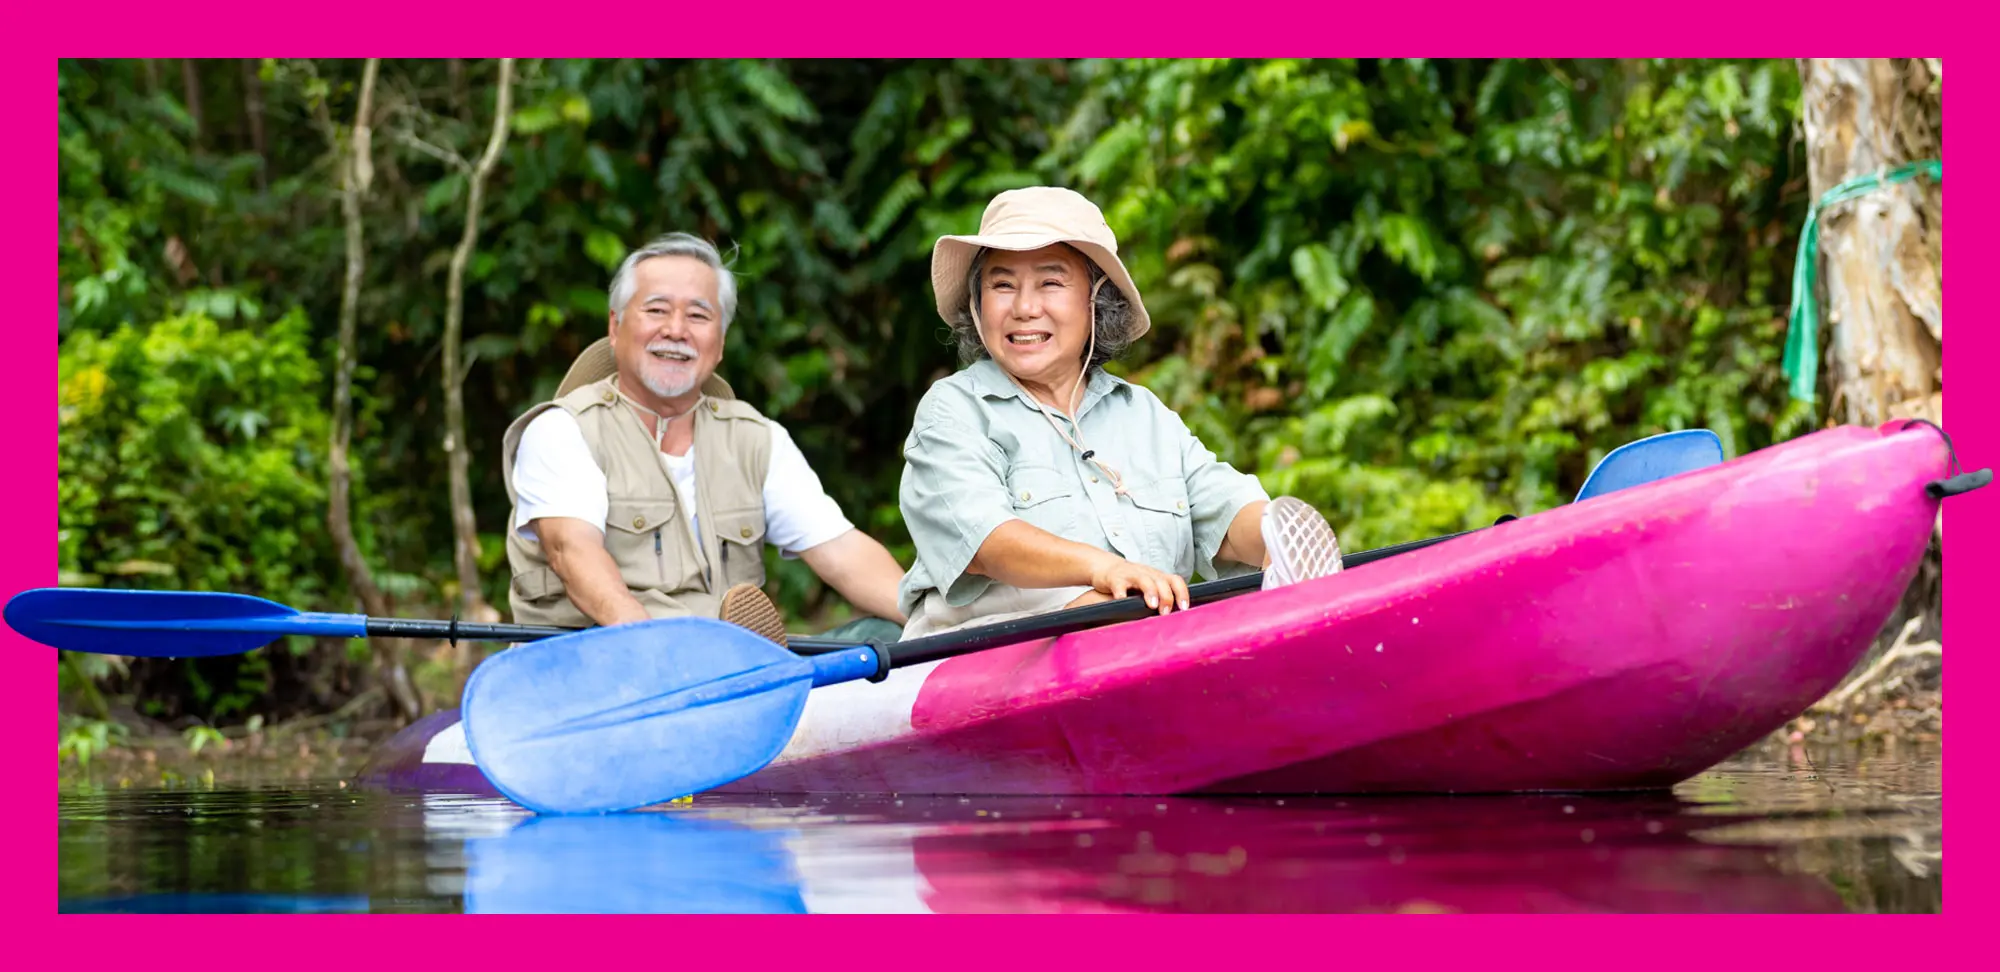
[647, 490]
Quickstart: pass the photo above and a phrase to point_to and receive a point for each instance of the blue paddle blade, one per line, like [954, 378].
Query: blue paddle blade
[631, 863]
[1651, 459]
[164, 624]
[617, 718]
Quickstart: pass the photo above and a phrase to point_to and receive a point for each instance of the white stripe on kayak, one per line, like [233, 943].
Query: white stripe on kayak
[836, 718]
[853, 714]
[448, 746]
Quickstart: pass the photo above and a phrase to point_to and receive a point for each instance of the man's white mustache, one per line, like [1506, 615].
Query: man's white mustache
[661, 347]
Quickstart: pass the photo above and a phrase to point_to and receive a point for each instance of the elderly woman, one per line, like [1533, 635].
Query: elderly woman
[1034, 480]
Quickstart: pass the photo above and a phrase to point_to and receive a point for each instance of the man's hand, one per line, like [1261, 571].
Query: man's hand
[576, 553]
[862, 570]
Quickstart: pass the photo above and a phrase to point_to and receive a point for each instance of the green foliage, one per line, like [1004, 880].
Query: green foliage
[1419, 294]
[192, 456]
[81, 739]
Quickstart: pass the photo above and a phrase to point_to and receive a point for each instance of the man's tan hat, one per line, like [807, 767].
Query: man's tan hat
[599, 362]
[1029, 219]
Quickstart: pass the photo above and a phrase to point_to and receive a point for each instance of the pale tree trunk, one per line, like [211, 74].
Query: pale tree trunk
[465, 549]
[357, 172]
[1881, 257]
[191, 93]
[253, 110]
[1882, 253]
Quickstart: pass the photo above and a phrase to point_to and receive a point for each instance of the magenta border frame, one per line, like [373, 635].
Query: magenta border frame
[900, 28]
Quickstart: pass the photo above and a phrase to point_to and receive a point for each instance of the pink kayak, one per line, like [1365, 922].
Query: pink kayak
[1627, 641]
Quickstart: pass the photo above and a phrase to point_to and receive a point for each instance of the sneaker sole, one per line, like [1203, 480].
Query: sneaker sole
[748, 606]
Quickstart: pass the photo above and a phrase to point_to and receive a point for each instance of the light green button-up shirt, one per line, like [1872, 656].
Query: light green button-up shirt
[980, 453]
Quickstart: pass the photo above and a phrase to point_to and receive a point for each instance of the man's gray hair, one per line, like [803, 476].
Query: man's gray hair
[683, 245]
[1114, 316]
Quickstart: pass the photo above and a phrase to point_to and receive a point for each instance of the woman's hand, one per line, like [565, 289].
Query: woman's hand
[1116, 577]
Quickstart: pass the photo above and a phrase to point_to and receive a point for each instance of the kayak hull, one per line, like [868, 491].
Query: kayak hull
[1625, 642]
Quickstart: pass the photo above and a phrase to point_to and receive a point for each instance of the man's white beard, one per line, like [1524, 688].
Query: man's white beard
[660, 386]
[665, 387]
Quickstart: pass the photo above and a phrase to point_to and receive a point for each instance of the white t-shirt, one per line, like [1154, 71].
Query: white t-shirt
[555, 475]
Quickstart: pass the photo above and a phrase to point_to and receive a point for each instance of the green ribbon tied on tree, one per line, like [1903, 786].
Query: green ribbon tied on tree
[1802, 340]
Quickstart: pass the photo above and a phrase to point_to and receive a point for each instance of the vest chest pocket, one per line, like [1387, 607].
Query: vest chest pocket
[740, 554]
[637, 536]
[1045, 497]
[1166, 523]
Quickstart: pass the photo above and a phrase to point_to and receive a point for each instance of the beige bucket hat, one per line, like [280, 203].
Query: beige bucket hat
[1029, 219]
[599, 362]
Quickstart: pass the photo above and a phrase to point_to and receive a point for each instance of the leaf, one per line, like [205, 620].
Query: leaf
[1111, 150]
[774, 90]
[192, 188]
[907, 189]
[444, 192]
[600, 166]
[536, 119]
[1318, 271]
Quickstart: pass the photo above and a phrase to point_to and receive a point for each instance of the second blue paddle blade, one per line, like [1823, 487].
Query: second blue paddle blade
[1652, 459]
[618, 718]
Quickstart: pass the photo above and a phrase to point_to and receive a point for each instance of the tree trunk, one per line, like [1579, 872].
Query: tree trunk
[1882, 254]
[1882, 258]
[253, 109]
[465, 549]
[357, 172]
[461, 100]
[191, 93]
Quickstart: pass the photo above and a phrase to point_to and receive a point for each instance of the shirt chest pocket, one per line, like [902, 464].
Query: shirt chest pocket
[1045, 497]
[636, 535]
[741, 549]
[1166, 526]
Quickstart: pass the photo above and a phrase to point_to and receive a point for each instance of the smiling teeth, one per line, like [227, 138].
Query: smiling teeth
[1027, 338]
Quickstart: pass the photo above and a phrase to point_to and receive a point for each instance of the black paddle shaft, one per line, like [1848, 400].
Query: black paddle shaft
[919, 650]
[453, 630]
[1131, 608]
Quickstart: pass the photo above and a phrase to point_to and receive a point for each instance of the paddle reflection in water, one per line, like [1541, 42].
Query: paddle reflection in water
[1512, 854]
[631, 863]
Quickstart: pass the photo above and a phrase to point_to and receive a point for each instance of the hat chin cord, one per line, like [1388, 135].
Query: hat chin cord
[659, 420]
[1075, 441]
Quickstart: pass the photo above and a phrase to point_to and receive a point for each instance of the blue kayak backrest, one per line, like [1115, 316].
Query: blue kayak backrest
[1651, 459]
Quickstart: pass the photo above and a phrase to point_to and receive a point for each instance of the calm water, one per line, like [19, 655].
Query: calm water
[1772, 830]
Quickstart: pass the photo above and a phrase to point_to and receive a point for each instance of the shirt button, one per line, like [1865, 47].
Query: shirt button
[1179, 505]
[1024, 496]
[745, 532]
[714, 407]
[1093, 479]
[638, 523]
[610, 396]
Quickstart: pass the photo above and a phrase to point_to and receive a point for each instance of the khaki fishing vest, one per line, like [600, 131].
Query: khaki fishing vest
[666, 566]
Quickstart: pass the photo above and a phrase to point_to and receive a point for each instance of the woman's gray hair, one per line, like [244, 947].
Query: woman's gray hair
[1114, 316]
[676, 244]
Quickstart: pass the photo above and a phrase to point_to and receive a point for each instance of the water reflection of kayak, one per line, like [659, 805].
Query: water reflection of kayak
[1630, 640]
[1123, 855]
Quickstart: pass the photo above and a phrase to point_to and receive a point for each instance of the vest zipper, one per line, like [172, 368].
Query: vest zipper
[659, 555]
